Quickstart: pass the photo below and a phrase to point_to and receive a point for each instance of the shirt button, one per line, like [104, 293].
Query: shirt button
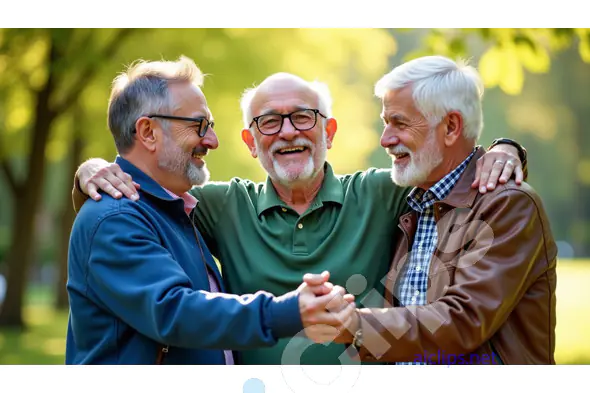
[418, 268]
[413, 300]
[283, 209]
[416, 293]
[300, 225]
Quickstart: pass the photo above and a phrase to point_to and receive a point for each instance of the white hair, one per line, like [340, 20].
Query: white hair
[439, 86]
[321, 89]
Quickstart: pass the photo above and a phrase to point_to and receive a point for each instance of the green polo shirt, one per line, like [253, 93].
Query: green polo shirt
[262, 244]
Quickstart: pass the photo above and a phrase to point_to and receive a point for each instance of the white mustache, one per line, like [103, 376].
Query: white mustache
[397, 150]
[281, 144]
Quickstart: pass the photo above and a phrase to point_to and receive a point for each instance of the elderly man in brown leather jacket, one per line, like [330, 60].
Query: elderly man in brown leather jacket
[473, 277]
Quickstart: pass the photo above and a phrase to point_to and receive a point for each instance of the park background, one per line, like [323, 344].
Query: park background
[55, 83]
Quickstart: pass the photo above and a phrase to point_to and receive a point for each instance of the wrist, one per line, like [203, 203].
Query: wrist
[522, 153]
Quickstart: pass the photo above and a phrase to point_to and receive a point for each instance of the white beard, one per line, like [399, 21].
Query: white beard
[286, 176]
[421, 164]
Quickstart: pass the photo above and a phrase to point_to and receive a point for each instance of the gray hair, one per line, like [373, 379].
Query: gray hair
[143, 89]
[440, 85]
[321, 89]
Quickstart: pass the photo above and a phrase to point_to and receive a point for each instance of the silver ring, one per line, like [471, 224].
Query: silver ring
[510, 162]
[498, 161]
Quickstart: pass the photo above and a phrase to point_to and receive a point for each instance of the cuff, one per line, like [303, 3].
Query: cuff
[285, 318]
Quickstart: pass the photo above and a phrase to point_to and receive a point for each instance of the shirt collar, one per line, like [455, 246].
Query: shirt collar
[420, 199]
[190, 202]
[331, 191]
[150, 186]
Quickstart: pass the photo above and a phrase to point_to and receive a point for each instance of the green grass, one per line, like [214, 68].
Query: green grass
[44, 340]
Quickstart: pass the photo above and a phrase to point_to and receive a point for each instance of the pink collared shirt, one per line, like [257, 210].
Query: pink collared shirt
[190, 202]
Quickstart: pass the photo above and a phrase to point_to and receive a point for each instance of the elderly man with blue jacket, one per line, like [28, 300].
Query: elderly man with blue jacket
[142, 284]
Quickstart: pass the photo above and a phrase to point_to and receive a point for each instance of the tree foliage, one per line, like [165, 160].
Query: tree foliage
[508, 54]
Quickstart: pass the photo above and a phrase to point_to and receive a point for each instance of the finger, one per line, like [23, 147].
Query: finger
[486, 169]
[137, 186]
[315, 279]
[107, 187]
[478, 165]
[507, 172]
[127, 182]
[348, 298]
[93, 192]
[332, 300]
[519, 175]
[336, 319]
[320, 290]
[120, 185]
[497, 169]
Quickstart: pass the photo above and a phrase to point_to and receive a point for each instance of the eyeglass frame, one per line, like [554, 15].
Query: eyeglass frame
[288, 115]
[200, 120]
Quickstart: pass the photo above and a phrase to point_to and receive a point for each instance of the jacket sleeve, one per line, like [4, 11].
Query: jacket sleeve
[78, 197]
[137, 279]
[485, 289]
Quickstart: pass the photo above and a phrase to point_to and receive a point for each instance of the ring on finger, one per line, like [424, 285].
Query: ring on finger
[499, 162]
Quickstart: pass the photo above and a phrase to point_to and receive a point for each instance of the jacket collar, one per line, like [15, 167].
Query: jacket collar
[462, 194]
[331, 191]
[148, 185]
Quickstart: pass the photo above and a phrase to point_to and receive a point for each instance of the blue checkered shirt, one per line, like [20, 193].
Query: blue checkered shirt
[413, 282]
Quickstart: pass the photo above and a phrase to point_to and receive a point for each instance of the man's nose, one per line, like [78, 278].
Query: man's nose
[210, 140]
[389, 138]
[288, 132]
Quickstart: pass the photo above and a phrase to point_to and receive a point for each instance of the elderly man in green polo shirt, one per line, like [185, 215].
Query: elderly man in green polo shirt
[303, 218]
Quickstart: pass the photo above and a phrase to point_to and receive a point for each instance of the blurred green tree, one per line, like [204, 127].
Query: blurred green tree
[44, 73]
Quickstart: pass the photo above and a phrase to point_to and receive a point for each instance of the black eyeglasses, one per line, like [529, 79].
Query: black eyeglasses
[302, 120]
[201, 122]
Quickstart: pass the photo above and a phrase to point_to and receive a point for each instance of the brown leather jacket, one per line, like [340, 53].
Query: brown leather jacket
[491, 284]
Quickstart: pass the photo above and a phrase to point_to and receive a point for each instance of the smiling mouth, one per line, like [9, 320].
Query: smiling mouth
[292, 150]
[399, 156]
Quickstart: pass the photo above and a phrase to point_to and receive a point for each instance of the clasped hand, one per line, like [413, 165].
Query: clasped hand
[326, 309]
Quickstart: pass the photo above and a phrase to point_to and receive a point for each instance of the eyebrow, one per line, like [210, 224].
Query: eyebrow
[275, 112]
[395, 116]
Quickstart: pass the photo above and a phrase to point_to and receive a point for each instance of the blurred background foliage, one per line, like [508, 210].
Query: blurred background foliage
[55, 84]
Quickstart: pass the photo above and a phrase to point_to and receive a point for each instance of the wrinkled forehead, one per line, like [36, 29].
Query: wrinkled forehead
[282, 97]
[400, 100]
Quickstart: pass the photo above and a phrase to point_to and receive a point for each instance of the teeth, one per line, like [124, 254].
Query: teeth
[291, 149]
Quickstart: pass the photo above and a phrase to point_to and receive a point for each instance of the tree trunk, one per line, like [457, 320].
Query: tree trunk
[26, 204]
[67, 216]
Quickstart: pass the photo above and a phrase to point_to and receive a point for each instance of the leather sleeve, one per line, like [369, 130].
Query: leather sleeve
[483, 293]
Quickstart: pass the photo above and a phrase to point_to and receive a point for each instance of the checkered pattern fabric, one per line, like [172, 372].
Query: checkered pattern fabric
[413, 283]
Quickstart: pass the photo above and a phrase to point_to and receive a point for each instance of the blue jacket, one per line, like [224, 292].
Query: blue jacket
[136, 279]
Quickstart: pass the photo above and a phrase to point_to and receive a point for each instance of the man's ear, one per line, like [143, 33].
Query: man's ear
[453, 128]
[331, 127]
[145, 133]
[248, 139]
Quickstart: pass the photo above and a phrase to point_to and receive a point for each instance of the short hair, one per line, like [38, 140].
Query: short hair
[440, 85]
[321, 89]
[143, 89]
